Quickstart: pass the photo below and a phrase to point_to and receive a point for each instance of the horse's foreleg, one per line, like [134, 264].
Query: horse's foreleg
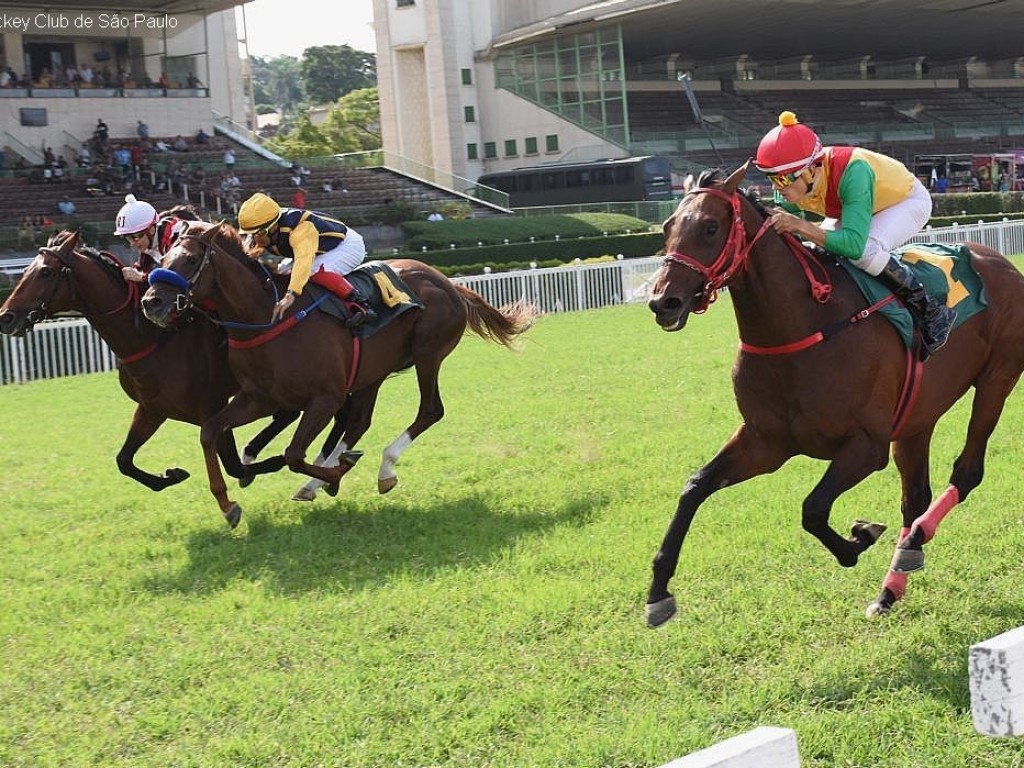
[241, 410]
[245, 471]
[350, 424]
[313, 420]
[911, 456]
[744, 456]
[144, 425]
[430, 411]
[858, 458]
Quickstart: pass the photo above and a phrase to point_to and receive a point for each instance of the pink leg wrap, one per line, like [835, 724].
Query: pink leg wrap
[904, 532]
[896, 583]
[929, 521]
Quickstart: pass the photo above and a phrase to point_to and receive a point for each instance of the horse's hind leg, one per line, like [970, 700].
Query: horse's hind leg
[968, 469]
[350, 424]
[144, 425]
[857, 459]
[430, 411]
[911, 456]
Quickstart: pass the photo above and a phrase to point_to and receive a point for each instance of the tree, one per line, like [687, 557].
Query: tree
[277, 81]
[353, 124]
[329, 72]
[304, 140]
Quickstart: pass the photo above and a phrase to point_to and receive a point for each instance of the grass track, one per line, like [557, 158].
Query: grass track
[488, 612]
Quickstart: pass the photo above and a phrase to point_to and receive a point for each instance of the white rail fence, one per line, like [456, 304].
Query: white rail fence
[70, 346]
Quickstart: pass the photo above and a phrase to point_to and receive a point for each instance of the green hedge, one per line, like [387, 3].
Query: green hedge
[976, 203]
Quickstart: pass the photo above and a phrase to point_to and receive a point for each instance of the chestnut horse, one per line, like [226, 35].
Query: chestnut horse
[833, 400]
[309, 367]
[181, 375]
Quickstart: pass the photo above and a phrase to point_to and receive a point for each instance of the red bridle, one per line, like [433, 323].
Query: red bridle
[730, 260]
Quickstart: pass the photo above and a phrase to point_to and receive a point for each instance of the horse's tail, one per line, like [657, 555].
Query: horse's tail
[501, 325]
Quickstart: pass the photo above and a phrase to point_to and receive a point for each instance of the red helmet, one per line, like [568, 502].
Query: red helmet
[788, 148]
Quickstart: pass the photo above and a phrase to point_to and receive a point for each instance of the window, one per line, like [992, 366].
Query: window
[470, 114]
[531, 145]
[404, 3]
[467, 77]
[551, 142]
[33, 116]
[471, 152]
[490, 149]
[510, 148]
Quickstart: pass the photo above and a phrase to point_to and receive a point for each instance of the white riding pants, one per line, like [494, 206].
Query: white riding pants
[893, 226]
[348, 255]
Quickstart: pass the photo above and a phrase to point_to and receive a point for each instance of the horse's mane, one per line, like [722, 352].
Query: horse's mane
[713, 177]
[231, 241]
[104, 259]
[182, 211]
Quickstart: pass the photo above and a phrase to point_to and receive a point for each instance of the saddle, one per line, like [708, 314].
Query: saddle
[383, 289]
[946, 271]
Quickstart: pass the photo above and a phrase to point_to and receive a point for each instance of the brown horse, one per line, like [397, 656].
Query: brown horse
[308, 367]
[833, 400]
[181, 374]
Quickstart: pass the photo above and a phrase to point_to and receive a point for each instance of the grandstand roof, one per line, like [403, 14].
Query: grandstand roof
[774, 29]
[132, 6]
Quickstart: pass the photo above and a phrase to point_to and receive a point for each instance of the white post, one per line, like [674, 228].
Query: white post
[764, 747]
[996, 669]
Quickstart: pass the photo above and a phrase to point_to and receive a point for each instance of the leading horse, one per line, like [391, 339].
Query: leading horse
[802, 391]
[180, 374]
[311, 365]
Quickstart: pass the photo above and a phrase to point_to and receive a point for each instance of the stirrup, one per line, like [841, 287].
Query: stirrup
[357, 316]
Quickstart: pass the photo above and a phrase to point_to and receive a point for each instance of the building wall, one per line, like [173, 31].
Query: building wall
[219, 70]
[422, 51]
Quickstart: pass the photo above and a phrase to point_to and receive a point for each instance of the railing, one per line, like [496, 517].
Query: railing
[55, 348]
[70, 346]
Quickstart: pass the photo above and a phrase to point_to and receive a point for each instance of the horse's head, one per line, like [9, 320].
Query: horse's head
[705, 246]
[186, 276]
[45, 287]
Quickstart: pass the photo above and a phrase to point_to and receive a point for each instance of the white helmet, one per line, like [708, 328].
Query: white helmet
[134, 216]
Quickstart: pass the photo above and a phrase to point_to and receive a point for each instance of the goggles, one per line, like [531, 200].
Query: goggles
[783, 180]
[132, 237]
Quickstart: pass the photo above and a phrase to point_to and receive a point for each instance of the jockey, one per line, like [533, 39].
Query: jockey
[876, 202]
[148, 235]
[321, 248]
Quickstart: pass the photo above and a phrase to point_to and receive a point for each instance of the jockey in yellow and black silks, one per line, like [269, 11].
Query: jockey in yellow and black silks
[315, 247]
[876, 202]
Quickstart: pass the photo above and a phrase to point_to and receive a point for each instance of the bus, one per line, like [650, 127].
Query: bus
[599, 181]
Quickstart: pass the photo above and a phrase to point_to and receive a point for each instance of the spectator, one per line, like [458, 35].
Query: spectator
[229, 159]
[66, 206]
[296, 179]
[435, 216]
[164, 81]
[161, 146]
[941, 184]
[180, 145]
[193, 82]
[83, 156]
[201, 136]
[142, 130]
[101, 133]
[27, 233]
[5, 78]
[328, 185]
[299, 198]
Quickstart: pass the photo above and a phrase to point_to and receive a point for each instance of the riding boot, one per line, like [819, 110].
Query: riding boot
[932, 317]
[359, 309]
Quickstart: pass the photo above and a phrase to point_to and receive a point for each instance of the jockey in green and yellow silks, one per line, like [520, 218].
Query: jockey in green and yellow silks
[874, 201]
[314, 247]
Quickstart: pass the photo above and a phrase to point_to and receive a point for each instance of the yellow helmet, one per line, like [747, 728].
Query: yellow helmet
[258, 212]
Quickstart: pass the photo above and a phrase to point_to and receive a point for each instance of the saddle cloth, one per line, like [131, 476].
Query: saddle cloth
[945, 271]
[385, 291]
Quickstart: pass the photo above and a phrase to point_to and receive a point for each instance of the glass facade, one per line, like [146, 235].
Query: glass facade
[579, 77]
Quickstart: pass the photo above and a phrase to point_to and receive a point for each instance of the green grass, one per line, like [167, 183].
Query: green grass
[489, 611]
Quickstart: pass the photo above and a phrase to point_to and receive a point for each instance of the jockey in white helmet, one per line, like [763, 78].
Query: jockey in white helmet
[148, 235]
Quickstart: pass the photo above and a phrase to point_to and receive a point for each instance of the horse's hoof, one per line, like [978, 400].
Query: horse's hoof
[877, 609]
[660, 612]
[351, 457]
[245, 482]
[247, 458]
[176, 475]
[868, 532]
[385, 484]
[304, 494]
[907, 560]
[233, 515]
[331, 489]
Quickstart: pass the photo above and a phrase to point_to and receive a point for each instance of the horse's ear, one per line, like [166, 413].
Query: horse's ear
[216, 229]
[736, 178]
[65, 241]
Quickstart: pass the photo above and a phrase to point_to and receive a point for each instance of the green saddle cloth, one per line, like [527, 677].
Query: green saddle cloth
[945, 271]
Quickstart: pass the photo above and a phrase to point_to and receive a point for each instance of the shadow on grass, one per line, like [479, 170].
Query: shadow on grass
[344, 547]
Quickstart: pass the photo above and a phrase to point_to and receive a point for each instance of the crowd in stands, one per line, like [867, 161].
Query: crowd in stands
[86, 77]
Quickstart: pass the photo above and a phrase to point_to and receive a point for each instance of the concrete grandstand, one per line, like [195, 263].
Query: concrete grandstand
[475, 86]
